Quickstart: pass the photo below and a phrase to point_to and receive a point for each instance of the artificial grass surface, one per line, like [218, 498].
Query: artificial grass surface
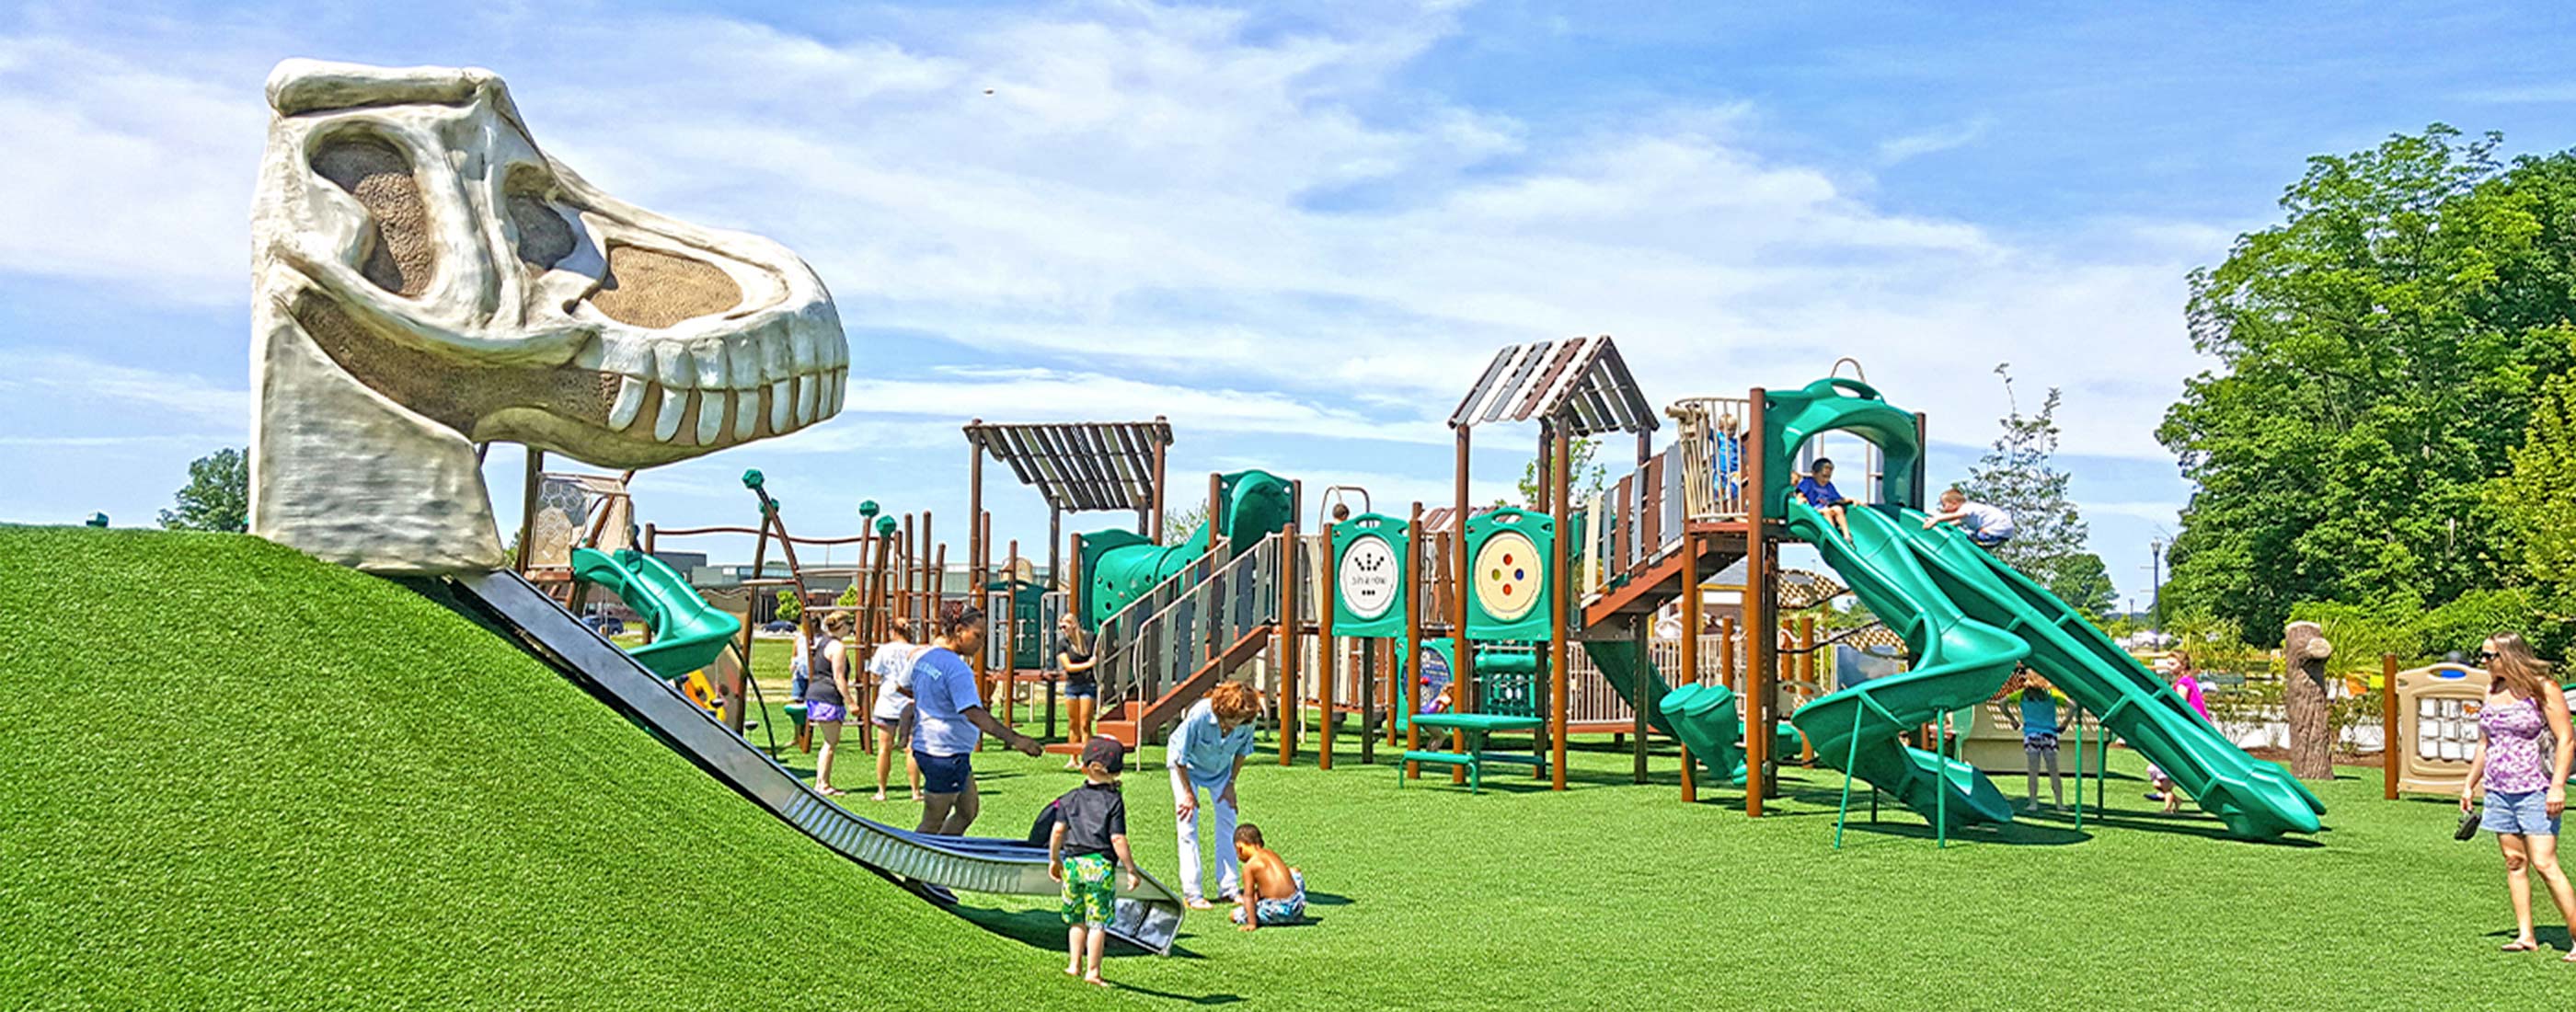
[238, 777]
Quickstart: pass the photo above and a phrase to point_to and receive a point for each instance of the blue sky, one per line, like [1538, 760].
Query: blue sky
[1296, 231]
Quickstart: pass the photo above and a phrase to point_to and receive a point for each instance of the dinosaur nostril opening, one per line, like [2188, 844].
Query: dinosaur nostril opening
[653, 289]
[400, 253]
[544, 237]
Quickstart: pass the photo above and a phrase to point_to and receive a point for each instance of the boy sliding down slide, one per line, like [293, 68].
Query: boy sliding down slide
[1090, 829]
[1818, 490]
[1272, 892]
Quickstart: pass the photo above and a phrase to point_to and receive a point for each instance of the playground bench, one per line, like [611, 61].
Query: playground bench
[1476, 726]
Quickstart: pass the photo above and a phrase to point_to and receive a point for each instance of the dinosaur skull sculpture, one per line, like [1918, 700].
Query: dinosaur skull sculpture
[426, 279]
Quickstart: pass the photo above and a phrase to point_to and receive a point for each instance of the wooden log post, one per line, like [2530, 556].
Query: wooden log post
[1807, 675]
[1689, 673]
[1759, 631]
[1560, 588]
[1285, 638]
[1462, 668]
[2390, 756]
[1409, 669]
[2303, 695]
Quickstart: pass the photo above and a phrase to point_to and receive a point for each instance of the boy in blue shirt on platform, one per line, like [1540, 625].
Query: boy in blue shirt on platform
[1817, 488]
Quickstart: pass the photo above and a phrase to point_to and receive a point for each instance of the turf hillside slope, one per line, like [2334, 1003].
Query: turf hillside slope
[237, 777]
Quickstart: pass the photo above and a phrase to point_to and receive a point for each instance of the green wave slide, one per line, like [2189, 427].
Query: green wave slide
[1969, 619]
[1123, 565]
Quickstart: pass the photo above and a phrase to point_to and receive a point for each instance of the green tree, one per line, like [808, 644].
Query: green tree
[2049, 534]
[790, 607]
[1583, 475]
[2379, 352]
[217, 496]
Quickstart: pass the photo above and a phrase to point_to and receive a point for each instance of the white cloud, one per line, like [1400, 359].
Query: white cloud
[69, 379]
[1933, 141]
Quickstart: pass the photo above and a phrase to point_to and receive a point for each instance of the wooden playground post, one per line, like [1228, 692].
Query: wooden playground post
[1806, 674]
[899, 580]
[1462, 667]
[1327, 662]
[1409, 669]
[1055, 575]
[1157, 532]
[1689, 673]
[536, 476]
[1560, 681]
[1285, 635]
[1726, 653]
[2389, 757]
[1757, 609]
[930, 582]
[977, 525]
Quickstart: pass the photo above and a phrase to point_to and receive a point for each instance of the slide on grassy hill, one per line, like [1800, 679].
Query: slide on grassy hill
[1148, 917]
[1959, 662]
[2256, 799]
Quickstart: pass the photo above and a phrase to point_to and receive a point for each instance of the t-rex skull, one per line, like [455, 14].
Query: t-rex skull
[425, 279]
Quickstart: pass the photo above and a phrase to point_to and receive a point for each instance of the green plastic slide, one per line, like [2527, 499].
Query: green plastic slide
[2256, 799]
[1959, 662]
[688, 632]
[1702, 717]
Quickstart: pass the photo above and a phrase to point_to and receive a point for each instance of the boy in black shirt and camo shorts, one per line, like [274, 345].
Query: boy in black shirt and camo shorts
[1091, 831]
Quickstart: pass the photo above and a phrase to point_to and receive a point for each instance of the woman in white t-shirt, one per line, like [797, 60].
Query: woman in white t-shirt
[891, 666]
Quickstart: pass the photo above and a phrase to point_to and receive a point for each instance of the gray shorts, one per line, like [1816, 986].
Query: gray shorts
[2522, 813]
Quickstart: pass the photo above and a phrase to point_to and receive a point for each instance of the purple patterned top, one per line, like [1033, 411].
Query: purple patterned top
[2517, 761]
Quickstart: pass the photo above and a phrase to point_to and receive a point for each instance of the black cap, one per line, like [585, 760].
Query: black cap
[1105, 752]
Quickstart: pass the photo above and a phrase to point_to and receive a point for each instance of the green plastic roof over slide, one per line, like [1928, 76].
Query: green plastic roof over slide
[1119, 566]
[1792, 417]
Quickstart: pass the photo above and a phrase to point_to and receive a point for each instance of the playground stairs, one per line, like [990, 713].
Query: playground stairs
[1136, 721]
[1655, 581]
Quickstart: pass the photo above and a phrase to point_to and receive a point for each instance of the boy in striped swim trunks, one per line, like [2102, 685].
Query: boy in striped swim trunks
[1091, 831]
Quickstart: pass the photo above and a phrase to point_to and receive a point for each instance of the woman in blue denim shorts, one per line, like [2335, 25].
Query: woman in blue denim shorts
[2524, 750]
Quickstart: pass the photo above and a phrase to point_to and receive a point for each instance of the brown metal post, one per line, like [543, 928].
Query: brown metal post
[978, 536]
[1560, 585]
[899, 579]
[1010, 628]
[1328, 660]
[1726, 653]
[536, 476]
[1462, 670]
[1689, 673]
[1284, 634]
[649, 539]
[1760, 637]
[1409, 669]
[2389, 756]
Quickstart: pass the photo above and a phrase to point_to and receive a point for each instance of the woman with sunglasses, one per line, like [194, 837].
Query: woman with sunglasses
[2524, 750]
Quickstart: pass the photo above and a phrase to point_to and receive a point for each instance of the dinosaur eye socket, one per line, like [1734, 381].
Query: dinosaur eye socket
[400, 255]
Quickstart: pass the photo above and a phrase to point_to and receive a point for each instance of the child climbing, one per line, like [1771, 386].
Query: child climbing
[1087, 847]
[1986, 525]
[2036, 714]
[1272, 893]
[1817, 488]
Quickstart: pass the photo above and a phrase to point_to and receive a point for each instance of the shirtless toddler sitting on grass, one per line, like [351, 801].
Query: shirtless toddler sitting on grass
[1272, 893]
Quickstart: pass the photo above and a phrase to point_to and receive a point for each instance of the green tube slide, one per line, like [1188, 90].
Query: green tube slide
[688, 632]
[1959, 662]
[1121, 566]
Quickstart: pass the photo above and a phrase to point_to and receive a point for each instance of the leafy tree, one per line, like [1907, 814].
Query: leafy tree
[2048, 542]
[1583, 476]
[2537, 498]
[217, 496]
[1177, 527]
[2380, 350]
[790, 607]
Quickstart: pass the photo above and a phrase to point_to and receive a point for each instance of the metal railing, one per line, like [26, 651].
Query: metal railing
[1143, 652]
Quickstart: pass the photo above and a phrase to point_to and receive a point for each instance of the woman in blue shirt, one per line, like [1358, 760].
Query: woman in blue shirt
[1205, 752]
[949, 719]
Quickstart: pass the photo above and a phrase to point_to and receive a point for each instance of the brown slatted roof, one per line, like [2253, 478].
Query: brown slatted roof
[1079, 466]
[1581, 384]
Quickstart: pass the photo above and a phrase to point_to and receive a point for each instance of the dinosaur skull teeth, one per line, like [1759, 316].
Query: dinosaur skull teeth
[630, 399]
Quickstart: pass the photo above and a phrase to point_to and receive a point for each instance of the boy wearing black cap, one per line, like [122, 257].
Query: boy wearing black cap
[1090, 829]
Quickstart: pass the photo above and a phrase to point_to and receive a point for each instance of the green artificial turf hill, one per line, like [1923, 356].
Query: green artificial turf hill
[235, 777]
[239, 777]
